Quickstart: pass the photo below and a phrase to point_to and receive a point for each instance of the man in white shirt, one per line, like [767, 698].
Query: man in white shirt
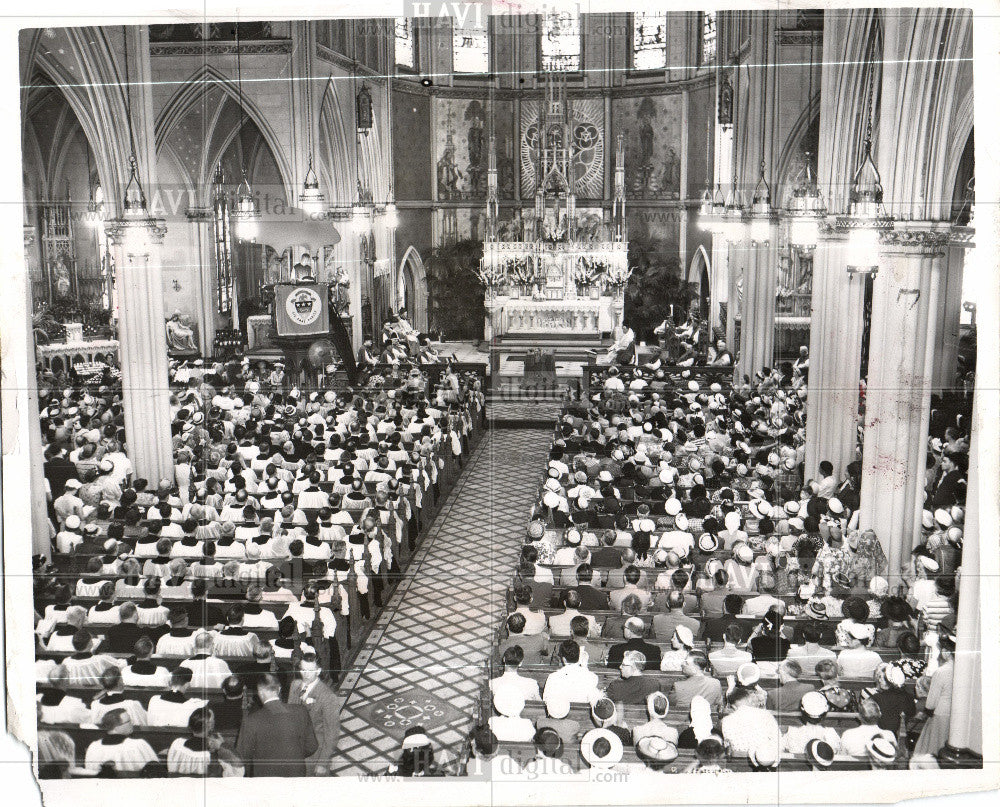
[512, 679]
[559, 624]
[810, 653]
[765, 599]
[572, 681]
[748, 726]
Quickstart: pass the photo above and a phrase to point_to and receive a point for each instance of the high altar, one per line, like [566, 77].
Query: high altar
[550, 272]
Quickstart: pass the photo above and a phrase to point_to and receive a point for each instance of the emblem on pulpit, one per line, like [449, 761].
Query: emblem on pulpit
[303, 306]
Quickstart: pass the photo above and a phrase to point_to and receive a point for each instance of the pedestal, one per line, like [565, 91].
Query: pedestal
[897, 408]
[834, 359]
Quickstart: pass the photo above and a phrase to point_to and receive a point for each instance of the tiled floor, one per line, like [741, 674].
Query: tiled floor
[424, 662]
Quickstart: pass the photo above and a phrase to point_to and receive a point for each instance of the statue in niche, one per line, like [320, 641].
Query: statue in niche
[62, 286]
[180, 334]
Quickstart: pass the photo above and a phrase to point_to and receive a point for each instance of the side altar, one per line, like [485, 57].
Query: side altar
[553, 274]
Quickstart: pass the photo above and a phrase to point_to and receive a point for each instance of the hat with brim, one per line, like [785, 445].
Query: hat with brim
[819, 753]
[814, 705]
[816, 610]
[792, 507]
[656, 749]
[708, 542]
[881, 749]
[764, 755]
[943, 517]
[672, 506]
[601, 748]
[747, 674]
[681, 522]
[743, 553]
[835, 506]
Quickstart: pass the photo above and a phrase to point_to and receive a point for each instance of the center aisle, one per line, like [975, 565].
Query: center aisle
[424, 661]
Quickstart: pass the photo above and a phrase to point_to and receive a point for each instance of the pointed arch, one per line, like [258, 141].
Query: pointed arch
[333, 162]
[786, 165]
[412, 282]
[190, 93]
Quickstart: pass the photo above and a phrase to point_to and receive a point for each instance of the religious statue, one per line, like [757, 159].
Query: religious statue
[180, 334]
[61, 285]
[475, 140]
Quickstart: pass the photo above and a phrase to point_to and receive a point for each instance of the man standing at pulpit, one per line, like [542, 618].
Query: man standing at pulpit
[302, 272]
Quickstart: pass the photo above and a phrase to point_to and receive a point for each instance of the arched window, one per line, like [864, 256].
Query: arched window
[649, 40]
[561, 41]
[223, 251]
[470, 43]
[708, 38]
[406, 51]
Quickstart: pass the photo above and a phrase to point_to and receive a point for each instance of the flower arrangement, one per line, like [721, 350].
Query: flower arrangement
[521, 271]
[587, 272]
[491, 275]
[615, 277]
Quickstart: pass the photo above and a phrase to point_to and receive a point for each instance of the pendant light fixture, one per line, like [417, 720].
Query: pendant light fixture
[713, 204]
[761, 212]
[245, 215]
[731, 226]
[133, 196]
[866, 215]
[806, 207]
[311, 199]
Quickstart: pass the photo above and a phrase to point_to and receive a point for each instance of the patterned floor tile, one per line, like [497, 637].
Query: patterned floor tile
[440, 624]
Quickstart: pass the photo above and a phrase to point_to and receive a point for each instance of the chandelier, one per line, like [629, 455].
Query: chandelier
[806, 208]
[245, 215]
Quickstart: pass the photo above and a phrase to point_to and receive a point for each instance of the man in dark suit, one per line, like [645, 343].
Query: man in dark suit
[276, 739]
[634, 630]
[591, 598]
[324, 708]
[58, 468]
[121, 638]
[945, 490]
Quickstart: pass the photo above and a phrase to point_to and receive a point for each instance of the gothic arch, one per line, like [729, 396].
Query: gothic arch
[192, 91]
[412, 281]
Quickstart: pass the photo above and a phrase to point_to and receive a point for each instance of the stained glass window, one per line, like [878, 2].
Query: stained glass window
[405, 52]
[561, 41]
[223, 254]
[470, 45]
[708, 37]
[649, 40]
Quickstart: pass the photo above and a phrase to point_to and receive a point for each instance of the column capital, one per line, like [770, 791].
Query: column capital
[197, 214]
[927, 238]
[118, 229]
[964, 237]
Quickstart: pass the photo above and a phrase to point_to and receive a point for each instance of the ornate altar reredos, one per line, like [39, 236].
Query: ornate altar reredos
[556, 288]
[553, 270]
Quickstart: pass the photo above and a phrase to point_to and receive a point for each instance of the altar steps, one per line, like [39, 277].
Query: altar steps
[571, 347]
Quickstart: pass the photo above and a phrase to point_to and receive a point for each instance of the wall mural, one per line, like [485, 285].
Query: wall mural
[461, 148]
[653, 149]
[587, 148]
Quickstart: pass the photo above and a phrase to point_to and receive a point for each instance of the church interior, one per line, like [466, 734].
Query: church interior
[514, 396]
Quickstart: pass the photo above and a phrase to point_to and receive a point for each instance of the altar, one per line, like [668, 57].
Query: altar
[552, 273]
[556, 289]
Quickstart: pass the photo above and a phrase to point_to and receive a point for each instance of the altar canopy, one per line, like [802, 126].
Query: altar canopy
[555, 270]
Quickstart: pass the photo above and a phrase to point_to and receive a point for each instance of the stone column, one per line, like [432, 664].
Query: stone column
[718, 288]
[834, 358]
[949, 317]
[734, 271]
[966, 725]
[202, 243]
[143, 345]
[904, 308]
[21, 427]
[981, 519]
[757, 311]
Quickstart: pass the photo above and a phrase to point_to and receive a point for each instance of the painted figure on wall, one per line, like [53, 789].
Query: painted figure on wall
[448, 175]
